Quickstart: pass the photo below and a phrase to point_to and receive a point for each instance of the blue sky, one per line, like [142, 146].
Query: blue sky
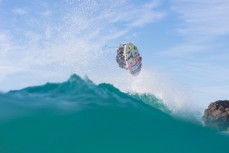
[184, 44]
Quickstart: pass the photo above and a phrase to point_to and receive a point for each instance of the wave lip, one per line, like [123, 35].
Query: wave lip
[80, 92]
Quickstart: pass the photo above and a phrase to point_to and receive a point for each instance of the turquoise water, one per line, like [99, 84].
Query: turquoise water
[78, 116]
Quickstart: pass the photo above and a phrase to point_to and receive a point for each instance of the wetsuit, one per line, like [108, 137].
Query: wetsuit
[120, 58]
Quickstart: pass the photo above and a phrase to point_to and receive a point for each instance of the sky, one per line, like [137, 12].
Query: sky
[183, 43]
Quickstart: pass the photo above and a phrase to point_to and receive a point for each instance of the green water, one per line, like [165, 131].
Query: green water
[79, 117]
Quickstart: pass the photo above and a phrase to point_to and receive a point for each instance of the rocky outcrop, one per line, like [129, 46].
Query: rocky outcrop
[217, 115]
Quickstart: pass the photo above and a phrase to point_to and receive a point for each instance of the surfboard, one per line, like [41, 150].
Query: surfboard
[132, 58]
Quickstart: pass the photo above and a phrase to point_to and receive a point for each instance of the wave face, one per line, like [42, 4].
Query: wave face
[79, 116]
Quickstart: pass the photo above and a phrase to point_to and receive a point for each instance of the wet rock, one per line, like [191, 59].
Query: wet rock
[217, 115]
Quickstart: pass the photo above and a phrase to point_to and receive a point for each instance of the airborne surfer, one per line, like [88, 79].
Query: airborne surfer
[129, 58]
[120, 58]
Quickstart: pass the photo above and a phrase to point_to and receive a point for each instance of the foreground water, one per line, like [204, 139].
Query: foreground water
[79, 116]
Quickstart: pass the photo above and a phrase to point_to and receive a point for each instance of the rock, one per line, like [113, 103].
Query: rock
[217, 115]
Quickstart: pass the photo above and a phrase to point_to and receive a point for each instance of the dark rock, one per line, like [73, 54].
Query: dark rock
[217, 115]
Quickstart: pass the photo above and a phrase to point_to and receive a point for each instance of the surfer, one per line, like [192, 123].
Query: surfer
[120, 58]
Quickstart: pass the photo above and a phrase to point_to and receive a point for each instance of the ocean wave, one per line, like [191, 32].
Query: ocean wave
[80, 116]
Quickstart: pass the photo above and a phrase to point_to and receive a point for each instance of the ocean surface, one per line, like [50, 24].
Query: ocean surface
[78, 116]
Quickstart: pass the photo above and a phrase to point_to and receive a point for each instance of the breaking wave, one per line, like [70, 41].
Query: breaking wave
[79, 116]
